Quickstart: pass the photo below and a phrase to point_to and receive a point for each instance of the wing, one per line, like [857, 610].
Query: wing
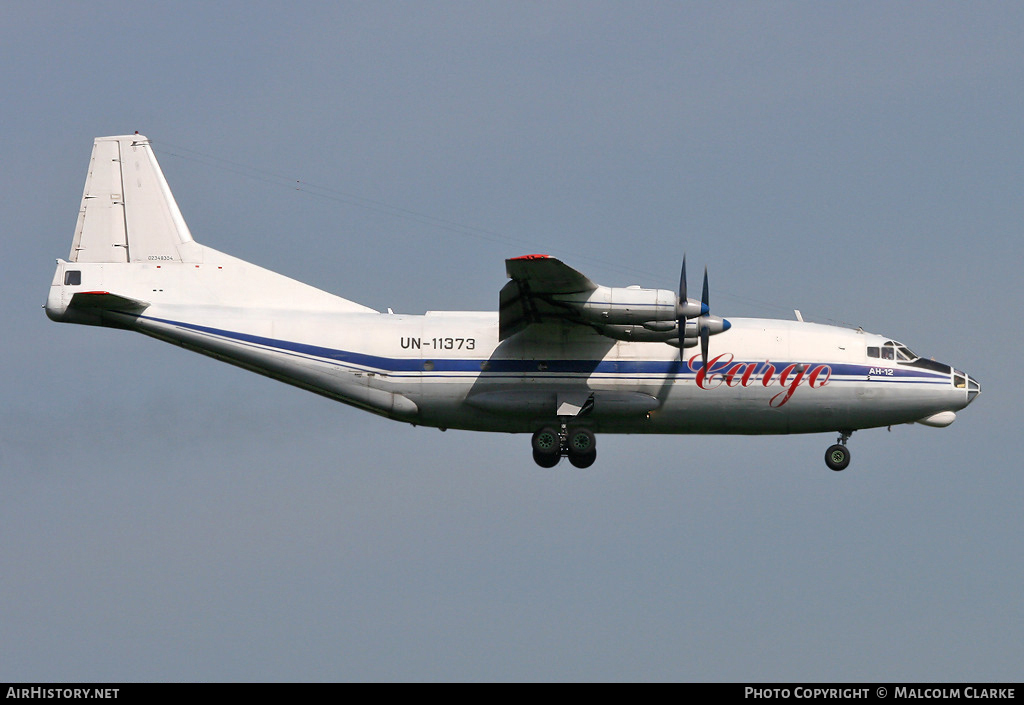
[530, 296]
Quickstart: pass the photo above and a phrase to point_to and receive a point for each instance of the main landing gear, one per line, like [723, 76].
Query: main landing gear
[550, 444]
[837, 457]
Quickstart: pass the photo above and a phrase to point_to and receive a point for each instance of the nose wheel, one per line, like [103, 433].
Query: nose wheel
[837, 457]
[550, 445]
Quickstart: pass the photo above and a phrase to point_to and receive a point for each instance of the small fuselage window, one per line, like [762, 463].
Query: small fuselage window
[73, 277]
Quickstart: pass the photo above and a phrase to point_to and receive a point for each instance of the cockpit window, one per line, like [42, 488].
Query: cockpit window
[892, 350]
[904, 353]
[873, 352]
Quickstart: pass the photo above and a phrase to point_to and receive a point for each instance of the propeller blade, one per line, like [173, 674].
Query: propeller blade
[681, 319]
[705, 332]
[682, 282]
[705, 337]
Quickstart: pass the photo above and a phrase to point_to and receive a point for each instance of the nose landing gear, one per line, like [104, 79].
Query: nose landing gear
[837, 457]
[577, 444]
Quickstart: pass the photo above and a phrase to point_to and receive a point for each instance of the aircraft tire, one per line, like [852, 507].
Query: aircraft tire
[546, 442]
[546, 460]
[581, 442]
[583, 460]
[837, 457]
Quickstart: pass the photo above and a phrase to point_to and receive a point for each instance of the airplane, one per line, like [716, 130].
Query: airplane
[563, 358]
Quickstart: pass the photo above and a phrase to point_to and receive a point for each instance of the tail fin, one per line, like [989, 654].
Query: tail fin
[133, 250]
[128, 213]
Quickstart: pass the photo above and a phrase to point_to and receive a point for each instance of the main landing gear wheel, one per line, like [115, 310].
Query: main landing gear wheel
[837, 457]
[547, 447]
[546, 441]
[546, 460]
[580, 448]
[581, 442]
[583, 461]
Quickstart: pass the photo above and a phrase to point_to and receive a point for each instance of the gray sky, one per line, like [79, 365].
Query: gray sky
[167, 517]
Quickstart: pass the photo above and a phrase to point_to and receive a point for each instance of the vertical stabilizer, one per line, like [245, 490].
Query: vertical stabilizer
[128, 213]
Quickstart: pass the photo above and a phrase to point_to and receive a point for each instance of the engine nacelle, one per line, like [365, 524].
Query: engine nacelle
[654, 309]
[638, 334]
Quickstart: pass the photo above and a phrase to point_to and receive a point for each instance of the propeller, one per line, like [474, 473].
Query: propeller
[706, 324]
[685, 308]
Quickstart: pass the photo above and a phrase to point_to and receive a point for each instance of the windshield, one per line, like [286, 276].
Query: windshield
[892, 350]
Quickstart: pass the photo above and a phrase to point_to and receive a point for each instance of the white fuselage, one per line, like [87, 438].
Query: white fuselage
[449, 370]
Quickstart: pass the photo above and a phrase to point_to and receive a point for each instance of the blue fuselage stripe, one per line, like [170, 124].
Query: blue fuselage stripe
[620, 369]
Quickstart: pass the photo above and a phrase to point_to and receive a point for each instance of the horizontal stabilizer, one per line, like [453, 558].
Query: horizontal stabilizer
[94, 308]
[105, 301]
